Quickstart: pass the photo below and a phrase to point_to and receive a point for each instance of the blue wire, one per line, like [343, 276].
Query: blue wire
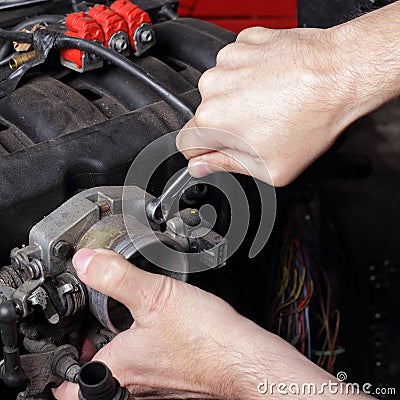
[307, 321]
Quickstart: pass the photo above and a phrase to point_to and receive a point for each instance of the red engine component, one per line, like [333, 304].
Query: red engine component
[79, 25]
[237, 15]
[114, 27]
[118, 27]
[141, 34]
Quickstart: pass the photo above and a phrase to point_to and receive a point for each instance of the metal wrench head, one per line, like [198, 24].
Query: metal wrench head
[159, 208]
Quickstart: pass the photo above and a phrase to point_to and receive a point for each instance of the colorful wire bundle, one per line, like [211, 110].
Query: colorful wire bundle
[294, 296]
[305, 284]
[327, 356]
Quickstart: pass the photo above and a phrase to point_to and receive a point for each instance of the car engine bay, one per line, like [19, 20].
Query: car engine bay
[84, 88]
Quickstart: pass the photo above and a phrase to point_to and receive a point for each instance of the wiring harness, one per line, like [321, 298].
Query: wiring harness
[305, 290]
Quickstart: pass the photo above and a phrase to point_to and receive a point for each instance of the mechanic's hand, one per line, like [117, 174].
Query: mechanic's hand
[185, 343]
[283, 96]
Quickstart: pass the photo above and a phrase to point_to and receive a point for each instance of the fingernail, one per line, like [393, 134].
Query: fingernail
[81, 260]
[199, 169]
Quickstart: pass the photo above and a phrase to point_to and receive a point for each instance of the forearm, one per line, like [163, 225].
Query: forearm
[268, 367]
[368, 60]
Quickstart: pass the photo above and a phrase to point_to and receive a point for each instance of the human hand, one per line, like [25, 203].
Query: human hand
[184, 342]
[282, 97]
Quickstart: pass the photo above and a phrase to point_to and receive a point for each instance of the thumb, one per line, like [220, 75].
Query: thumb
[229, 160]
[109, 273]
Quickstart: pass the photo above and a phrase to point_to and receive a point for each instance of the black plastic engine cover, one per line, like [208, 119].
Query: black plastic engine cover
[62, 132]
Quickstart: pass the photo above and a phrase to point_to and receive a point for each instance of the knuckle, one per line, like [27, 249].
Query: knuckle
[181, 143]
[207, 82]
[159, 295]
[213, 112]
[244, 34]
[94, 262]
[116, 274]
[203, 114]
[226, 53]
[279, 178]
[256, 34]
[229, 162]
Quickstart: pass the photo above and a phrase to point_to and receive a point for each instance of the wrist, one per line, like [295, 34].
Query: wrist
[367, 61]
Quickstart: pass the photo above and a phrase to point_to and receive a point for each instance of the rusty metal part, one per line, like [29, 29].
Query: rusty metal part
[46, 368]
[91, 219]
[111, 232]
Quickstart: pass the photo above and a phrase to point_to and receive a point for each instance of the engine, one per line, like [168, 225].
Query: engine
[92, 95]
[73, 117]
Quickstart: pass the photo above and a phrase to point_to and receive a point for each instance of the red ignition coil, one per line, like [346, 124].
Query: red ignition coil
[141, 32]
[81, 26]
[114, 27]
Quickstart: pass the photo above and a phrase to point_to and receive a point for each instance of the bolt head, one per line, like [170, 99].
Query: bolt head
[146, 37]
[61, 249]
[121, 45]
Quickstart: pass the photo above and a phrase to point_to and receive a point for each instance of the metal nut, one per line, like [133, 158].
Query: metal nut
[121, 45]
[61, 249]
[146, 37]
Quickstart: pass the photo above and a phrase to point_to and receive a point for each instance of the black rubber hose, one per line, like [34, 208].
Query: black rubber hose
[6, 48]
[97, 383]
[16, 36]
[40, 19]
[130, 67]
[14, 375]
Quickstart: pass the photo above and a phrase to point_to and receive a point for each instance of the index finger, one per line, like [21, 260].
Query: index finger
[193, 141]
